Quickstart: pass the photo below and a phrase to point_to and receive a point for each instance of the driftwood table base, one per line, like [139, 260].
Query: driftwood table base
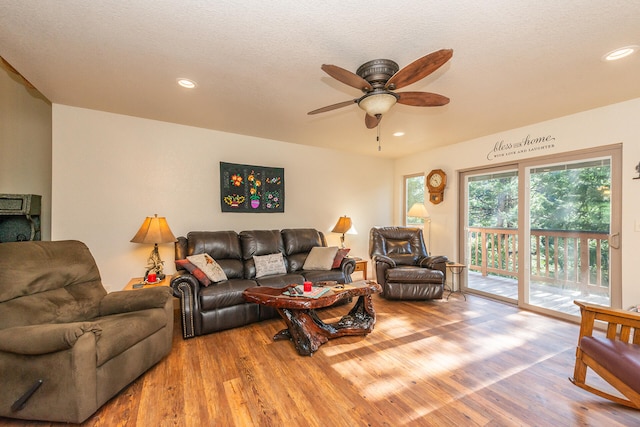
[304, 328]
[308, 332]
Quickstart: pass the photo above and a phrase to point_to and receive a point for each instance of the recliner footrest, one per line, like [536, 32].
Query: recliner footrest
[414, 275]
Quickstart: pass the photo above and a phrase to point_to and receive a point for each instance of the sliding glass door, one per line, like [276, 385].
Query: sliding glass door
[544, 233]
[569, 208]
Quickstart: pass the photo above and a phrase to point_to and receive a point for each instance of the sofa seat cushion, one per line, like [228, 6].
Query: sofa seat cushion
[407, 274]
[224, 294]
[122, 331]
[620, 358]
[280, 281]
[320, 275]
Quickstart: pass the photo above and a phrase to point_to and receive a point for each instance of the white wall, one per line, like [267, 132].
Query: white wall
[613, 124]
[111, 171]
[25, 143]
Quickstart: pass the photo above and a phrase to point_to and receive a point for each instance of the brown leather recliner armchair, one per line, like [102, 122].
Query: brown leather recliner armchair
[403, 266]
[66, 346]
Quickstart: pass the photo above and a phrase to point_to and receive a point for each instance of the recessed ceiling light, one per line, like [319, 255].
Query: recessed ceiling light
[398, 133]
[189, 84]
[620, 53]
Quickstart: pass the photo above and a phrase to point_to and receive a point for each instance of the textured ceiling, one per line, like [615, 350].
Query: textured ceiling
[257, 63]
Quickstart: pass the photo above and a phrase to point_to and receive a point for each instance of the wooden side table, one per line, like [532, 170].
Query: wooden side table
[136, 280]
[361, 265]
[456, 270]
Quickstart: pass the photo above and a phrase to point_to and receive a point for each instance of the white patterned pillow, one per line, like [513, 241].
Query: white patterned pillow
[209, 266]
[267, 265]
[320, 258]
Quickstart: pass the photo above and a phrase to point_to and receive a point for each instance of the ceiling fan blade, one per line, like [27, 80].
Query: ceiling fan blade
[422, 99]
[333, 107]
[419, 69]
[372, 121]
[347, 77]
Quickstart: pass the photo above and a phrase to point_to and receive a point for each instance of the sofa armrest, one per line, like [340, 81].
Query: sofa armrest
[181, 279]
[381, 263]
[348, 266]
[140, 299]
[186, 287]
[432, 261]
[384, 259]
[47, 338]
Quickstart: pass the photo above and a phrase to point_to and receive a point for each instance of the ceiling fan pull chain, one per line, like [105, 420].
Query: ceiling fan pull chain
[378, 138]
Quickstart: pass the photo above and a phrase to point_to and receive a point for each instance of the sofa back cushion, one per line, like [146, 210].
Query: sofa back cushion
[256, 243]
[222, 246]
[48, 282]
[298, 242]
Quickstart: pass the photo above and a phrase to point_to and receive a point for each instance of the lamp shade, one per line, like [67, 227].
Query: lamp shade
[418, 210]
[343, 225]
[154, 229]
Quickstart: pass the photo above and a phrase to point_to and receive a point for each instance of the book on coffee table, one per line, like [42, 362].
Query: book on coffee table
[316, 292]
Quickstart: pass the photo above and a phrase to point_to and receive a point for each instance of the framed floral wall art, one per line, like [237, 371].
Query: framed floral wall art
[247, 188]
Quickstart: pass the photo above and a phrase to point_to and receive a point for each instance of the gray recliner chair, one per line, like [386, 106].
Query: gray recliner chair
[66, 346]
[402, 265]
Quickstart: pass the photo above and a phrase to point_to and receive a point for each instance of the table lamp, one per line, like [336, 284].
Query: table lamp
[343, 225]
[418, 210]
[154, 230]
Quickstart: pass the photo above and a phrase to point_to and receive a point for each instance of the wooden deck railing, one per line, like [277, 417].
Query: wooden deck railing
[576, 259]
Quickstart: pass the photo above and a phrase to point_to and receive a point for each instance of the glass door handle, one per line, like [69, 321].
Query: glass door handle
[614, 240]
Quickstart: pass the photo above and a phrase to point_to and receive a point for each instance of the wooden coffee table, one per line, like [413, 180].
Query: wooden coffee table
[304, 327]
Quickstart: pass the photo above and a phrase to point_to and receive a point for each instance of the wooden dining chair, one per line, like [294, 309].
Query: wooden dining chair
[613, 354]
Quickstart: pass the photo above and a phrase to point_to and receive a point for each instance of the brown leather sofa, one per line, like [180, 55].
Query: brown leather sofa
[66, 346]
[402, 265]
[221, 305]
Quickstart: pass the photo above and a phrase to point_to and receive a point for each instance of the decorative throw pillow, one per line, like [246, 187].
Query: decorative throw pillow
[209, 266]
[267, 265]
[320, 258]
[337, 261]
[198, 274]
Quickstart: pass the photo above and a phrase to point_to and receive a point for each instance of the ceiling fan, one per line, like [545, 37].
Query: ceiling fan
[378, 79]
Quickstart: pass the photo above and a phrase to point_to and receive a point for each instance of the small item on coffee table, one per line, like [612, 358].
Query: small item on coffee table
[326, 283]
[307, 286]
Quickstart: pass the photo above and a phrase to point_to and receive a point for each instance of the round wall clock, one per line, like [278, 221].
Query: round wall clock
[436, 182]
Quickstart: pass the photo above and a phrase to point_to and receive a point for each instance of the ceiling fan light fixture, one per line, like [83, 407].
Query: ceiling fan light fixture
[377, 103]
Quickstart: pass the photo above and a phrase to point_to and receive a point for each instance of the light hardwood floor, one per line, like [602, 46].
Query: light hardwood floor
[434, 363]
